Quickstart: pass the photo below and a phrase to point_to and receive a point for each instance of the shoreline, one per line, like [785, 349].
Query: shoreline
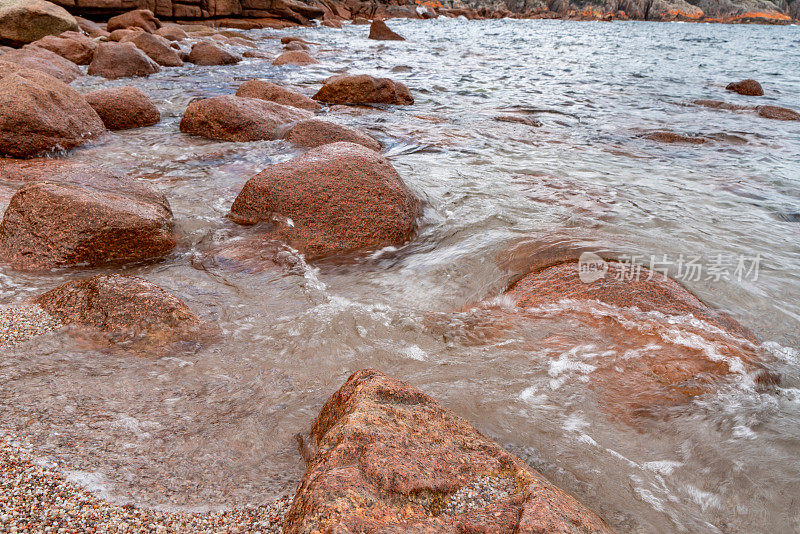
[35, 496]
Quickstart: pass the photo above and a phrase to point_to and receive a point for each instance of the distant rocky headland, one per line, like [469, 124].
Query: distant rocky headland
[248, 14]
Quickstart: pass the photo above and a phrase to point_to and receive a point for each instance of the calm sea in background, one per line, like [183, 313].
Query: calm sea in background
[213, 426]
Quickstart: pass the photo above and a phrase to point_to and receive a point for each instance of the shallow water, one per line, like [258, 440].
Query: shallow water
[213, 426]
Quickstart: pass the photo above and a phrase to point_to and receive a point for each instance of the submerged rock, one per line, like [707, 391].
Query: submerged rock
[391, 459]
[672, 137]
[747, 87]
[156, 47]
[660, 361]
[207, 54]
[128, 309]
[73, 46]
[121, 60]
[26, 21]
[381, 32]
[39, 113]
[363, 89]
[37, 58]
[86, 219]
[294, 57]
[295, 45]
[719, 104]
[778, 113]
[341, 198]
[317, 132]
[122, 108]
[264, 90]
[234, 118]
[139, 18]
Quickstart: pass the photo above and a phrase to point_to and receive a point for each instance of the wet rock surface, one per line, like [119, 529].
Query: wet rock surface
[317, 132]
[205, 54]
[341, 198]
[363, 89]
[122, 108]
[391, 459]
[265, 90]
[121, 60]
[778, 113]
[85, 217]
[747, 87]
[234, 118]
[294, 57]
[37, 58]
[129, 309]
[39, 113]
[73, 46]
[25, 21]
[379, 31]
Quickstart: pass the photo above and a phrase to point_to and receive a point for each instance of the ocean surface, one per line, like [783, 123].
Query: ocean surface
[213, 426]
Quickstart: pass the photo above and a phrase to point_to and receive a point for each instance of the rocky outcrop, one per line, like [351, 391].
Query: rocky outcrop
[317, 132]
[156, 48]
[363, 89]
[73, 46]
[341, 198]
[121, 60]
[25, 21]
[127, 309]
[391, 459]
[205, 53]
[379, 31]
[747, 87]
[234, 118]
[85, 218]
[264, 90]
[39, 113]
[37, 58]
[294, 57]
[140, 18]
[122, 108]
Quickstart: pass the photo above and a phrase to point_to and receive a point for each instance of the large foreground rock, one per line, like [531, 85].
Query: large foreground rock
[85, 220]
[341, 198]
[73, 46]
[25, 21]
[122, 108]
[37, 58]
[381, 32]
[139, 18]
[207, 54]
[127, 308]
[317, 132]
[121, 60]
[233, 118]
[264, 90]
[363, 89]
[39, 113]
[391, 459]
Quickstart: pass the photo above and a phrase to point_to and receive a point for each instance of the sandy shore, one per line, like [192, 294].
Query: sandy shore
[20, 322]
[35, 497]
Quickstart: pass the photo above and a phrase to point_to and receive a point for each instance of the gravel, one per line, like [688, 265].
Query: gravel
[21, 322]
[35, 497]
